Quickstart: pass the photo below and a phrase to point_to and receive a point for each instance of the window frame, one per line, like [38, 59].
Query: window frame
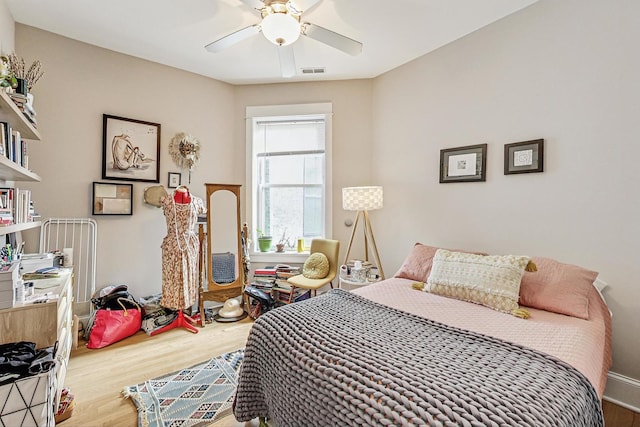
[261, 113]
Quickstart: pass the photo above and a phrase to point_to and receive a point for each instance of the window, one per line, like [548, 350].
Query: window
[290, 172]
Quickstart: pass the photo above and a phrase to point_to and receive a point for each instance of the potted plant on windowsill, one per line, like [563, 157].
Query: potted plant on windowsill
[284, 242]
[264, 241]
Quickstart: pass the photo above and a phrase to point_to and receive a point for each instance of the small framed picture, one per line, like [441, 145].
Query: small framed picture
[112, 199]
[175, 179]
[463, 164]
[524, 157]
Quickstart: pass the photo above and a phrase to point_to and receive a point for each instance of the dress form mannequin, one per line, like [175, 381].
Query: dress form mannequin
[180, 256]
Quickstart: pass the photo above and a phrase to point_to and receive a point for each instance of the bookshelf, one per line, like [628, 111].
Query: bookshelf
[14, 228]
[9, 170]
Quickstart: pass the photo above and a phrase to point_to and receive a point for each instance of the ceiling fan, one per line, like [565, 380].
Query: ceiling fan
[282, 25]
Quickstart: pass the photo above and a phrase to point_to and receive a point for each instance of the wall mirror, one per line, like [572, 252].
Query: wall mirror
[221, 267]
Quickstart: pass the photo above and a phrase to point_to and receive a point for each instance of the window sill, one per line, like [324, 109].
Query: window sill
[279, 258]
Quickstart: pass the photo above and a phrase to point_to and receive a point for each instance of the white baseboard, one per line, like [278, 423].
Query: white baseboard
[623, 391]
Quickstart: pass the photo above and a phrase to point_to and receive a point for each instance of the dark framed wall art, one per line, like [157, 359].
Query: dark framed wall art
[112, 199]
[130, 149]
[524, 157]
[463, 164]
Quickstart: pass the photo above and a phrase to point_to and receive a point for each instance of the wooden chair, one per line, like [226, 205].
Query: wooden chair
[331, 249]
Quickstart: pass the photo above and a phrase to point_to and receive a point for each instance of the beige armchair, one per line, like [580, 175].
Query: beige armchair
[331, 249]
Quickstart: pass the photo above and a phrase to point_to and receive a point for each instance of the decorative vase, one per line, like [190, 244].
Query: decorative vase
[22, 86]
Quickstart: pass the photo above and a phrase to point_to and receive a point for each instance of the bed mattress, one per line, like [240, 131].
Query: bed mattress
[584, 344]
[343, 359]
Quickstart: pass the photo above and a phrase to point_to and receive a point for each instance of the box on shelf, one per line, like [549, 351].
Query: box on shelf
[32, 262]
[9, 275]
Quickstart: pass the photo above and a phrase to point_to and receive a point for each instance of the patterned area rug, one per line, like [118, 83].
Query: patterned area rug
[195, 396]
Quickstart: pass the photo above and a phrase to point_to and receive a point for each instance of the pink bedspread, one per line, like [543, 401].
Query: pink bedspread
[584, 344]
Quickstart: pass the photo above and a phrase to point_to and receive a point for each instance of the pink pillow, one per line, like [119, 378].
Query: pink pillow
[417, 265]
[557, 287]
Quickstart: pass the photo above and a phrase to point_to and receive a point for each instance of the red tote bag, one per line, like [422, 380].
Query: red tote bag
[111, 326]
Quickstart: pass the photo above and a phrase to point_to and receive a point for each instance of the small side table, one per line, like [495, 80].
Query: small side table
[350, 284]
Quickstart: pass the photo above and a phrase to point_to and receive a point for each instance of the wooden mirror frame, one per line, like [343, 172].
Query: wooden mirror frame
[215, 291]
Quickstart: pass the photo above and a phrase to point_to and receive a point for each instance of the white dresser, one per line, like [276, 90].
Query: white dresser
[44, 323]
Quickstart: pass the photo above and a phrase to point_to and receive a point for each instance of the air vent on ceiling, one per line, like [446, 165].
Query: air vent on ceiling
[313, 70]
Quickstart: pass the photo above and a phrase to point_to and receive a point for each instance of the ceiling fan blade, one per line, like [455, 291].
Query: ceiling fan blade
[333, 39]
[304, 5]
[233, 38]
[254, 4]
[287, 61]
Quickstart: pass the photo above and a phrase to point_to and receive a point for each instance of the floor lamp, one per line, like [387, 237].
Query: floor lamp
[362, 200]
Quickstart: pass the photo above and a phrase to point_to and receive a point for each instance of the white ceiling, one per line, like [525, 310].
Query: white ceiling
[174, 32]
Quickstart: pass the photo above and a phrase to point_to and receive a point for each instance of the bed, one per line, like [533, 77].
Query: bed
[392, 354]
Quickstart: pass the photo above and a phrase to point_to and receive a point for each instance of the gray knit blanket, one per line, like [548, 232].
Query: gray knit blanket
[342, 360]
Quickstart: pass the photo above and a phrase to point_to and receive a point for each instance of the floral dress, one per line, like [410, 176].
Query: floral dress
[180, 253]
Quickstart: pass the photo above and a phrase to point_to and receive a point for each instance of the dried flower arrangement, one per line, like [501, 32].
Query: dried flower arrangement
[20, 71]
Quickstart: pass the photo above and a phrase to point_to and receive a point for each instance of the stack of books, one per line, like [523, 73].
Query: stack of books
[284, 271]
[265, 273]
[282, 293]
[264, 278]
[23, 104]
[21, 206]
[6, 206]
[282, 289]
[15, 206]
[264, 284]
[12, 146]
[273, 279]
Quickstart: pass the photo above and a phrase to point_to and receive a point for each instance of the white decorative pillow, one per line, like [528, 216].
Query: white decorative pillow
[316, 266]
[491, 280]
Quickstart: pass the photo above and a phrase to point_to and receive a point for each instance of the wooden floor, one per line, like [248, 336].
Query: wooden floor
[617, 416]
[97, 377]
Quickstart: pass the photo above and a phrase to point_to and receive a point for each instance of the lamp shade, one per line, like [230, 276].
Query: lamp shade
[281, 28]
[361, 198]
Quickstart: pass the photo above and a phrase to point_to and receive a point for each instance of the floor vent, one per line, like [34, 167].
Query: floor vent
[313, 70]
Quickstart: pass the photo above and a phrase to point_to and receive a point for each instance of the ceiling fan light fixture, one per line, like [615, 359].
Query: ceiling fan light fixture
[280, 28]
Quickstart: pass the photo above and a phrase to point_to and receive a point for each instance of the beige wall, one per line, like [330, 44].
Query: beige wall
[7, 29]
[566, 71]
